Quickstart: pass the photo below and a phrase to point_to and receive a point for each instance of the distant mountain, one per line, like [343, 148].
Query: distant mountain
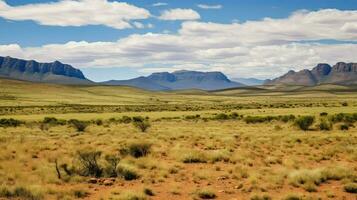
[341, 73]
[180, 80]
[249, 81]
[30, 70]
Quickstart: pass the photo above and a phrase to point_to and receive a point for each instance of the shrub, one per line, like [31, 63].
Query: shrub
[10, 122]
[263, 197]
[304, 122]
[206, 194]
[132, 196]
[138, 150]
[292, 197]
[112, 162]
[350, 188]
[141, 123]
[89, 163]
[148, 192]
[80, 126]
[53, 121]
[78, 193]
[325, 125]
[125, 119]
[127, 172]
[344, 127]
[323, 114]
[191, 117]
[221, 116]
[193, 157]
[20, 192]
[308, 179]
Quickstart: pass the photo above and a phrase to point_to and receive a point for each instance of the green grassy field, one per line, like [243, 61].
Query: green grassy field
[104, 142]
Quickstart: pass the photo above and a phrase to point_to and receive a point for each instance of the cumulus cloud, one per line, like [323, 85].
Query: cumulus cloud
[179, 14]
[205, 6]
[263, 49]
[76, 13]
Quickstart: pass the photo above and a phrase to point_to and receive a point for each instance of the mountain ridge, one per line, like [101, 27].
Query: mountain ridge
[341, 73]
[30, 70]
[179, 80]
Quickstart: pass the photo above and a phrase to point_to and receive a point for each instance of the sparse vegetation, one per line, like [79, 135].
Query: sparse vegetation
[304, 122]
[141, 123]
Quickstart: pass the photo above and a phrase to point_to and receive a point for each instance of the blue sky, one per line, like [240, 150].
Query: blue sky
[30, 36]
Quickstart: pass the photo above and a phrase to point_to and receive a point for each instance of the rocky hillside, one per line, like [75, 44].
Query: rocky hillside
[180, 80]
[30, 70]
[341, 73]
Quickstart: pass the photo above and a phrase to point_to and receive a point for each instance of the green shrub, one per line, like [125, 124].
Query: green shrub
[141, 123]
[53, 121]
[263, 197]
[221, 116]
[323, 114]
[10, 122]
[304, 122]
[89, 165]
[344, 127]
[193, 157]
[325, 125]
[78, 193]
[292, 197]
[127, 172]
[112, 162]
[148, 192]
[20, 192]
[125, 119]
[139, 149]
[192, 117]
[80, 126]
[350, 188]
[206, 194]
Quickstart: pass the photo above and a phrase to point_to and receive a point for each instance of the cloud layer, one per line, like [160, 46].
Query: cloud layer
[264, 48]
[206, 6]
[76, 13]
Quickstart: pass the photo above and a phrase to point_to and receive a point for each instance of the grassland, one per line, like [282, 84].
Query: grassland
[232, 144]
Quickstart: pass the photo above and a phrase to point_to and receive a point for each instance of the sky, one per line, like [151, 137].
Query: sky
[110, 39]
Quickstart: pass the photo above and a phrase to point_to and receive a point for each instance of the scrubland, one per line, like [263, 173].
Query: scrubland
[253, 147]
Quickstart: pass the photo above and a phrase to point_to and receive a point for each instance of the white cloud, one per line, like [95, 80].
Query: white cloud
[138, 25]
[262, 49]
[206, 6]
[159, 4]
[76, 13]
[179, 14]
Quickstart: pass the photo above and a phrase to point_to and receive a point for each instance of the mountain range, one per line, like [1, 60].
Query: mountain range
[341, 74]
[30, 70]
[180, 80]
[56, 72]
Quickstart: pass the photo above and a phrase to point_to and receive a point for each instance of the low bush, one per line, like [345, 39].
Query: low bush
[125, 119]
[263, 119]
[325, 125]
[80, 126]
[351, 188]
[53, 121]
[139, 149]
[262, 197]
[344, 127]
[20, 192]
[292, 197]
[193, 156]
[206, 194]
[148, 192]
[10, 122]
[127, 172]
[141, 123]
[132, 196]
[89, 164]
[304, 122]
[308, 179]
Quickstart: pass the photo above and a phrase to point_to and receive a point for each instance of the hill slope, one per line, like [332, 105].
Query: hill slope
[180, 80]
[341, 73]
[30, 70]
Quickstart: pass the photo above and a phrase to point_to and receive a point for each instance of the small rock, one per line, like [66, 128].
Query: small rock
[108, 183]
